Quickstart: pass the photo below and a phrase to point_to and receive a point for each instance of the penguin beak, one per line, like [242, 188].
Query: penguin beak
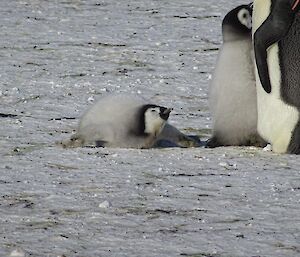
[165, 112]
[250, 6]
[274, 28]
[296, 5]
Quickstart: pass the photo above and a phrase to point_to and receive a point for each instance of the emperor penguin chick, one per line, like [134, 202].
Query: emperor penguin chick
[126, 121]
[120, 120]
[232, 90]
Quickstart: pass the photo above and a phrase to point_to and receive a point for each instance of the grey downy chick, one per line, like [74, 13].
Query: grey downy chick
[233, 91]
[125, 121]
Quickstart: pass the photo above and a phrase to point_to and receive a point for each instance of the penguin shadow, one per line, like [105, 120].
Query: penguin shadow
[188, 142]
[181, 141]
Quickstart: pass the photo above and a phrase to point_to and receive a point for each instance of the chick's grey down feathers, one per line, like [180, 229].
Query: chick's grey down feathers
[232, 90]
[118, 120]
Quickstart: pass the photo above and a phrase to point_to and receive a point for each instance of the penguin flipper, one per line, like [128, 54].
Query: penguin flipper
[260, 51]
[179, 139]
[273, 29]
[190, 141]
[164, 143]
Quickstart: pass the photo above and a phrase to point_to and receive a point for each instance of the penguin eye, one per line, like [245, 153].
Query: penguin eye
[244, 18]
[153, 110]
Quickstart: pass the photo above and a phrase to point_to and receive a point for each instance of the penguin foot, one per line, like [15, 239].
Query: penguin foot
[256, 141]
[213, 143]
[190, 141]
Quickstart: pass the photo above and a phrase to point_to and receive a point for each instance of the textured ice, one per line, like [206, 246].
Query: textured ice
[57, 57]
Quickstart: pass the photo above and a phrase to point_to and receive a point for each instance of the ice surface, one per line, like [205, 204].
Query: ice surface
[56, 58]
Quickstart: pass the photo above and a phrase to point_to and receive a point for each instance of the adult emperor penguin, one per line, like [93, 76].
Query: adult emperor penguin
[125, 121]
[232, 90]
[276, 34]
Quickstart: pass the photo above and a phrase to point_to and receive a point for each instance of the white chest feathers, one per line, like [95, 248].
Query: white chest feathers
[233, 95]
[153, 121]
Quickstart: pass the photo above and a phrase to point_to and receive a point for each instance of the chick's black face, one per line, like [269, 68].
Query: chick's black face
[239, 19]
[164, 113]
[149, 117]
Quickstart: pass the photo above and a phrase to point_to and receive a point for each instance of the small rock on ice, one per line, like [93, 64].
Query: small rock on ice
[91, 99]
[223, 164]
[227, 165]
[17, 253]
[104, 205]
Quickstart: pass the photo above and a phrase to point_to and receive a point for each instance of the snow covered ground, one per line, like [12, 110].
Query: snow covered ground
[56, 58]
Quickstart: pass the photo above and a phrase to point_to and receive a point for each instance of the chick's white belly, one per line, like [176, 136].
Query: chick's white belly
[233, 93]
